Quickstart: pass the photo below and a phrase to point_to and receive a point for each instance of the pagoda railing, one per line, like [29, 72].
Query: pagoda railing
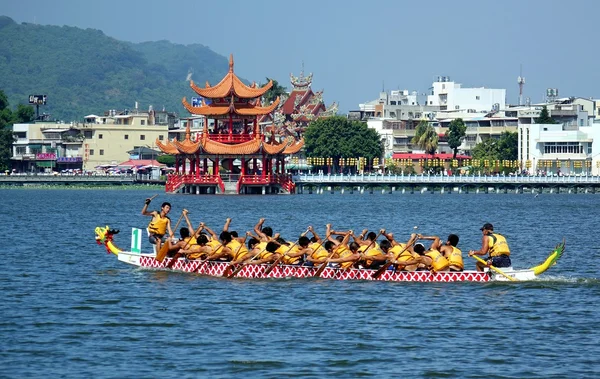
[284, 180]
[231, 138]
[174, 181]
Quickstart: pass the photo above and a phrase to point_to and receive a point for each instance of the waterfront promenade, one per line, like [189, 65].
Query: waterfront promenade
[61, 179]
[369, 183]
[319, 183]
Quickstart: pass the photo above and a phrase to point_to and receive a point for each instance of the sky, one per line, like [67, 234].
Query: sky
[355, 49]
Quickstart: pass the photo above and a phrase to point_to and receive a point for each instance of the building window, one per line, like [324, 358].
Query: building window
[99, 136]
[101, 151]
[20, 150]
[143, 122]
[91, 151]
[160, 137]
[126, 136]
[87, 134]
[476, 97]
[457, 107]
[142, 137]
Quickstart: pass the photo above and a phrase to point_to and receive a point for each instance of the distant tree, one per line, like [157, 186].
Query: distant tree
[504, 148]
[545, 117]
[425, 137]
[508, 146]
[337, 137]
[7, 138]
[456, 132]
[167, 159]
[274, 92]
[23, 114]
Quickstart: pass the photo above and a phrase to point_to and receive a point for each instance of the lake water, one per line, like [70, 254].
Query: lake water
[71, 310]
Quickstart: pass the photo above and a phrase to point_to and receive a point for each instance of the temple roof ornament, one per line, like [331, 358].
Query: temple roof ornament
[230, 85]
[301, 83]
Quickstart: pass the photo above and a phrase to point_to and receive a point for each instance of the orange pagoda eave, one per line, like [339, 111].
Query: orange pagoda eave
[232, 152]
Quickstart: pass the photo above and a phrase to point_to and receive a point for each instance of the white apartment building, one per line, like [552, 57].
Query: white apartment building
[450, 96]
[566, 147]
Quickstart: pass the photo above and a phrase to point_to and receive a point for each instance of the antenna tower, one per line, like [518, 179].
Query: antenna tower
[521, 81]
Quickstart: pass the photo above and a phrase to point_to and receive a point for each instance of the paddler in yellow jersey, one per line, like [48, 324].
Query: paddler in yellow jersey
[185, 240]
[371, 255]
[495, 244]
[400, 253]
[314, 250]
[268, 254]
[160, 223]
[448, 250]
[345, 255]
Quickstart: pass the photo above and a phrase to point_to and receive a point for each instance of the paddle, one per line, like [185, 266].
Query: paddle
[388, 263]
[237, 270]
[270, 268]
[495, 269]
[164, 249]
[187, 244]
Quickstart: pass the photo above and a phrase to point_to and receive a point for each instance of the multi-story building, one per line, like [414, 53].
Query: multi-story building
[46, 146]
[97, 141]
[396, 115]
[566, 147]
[451, 96]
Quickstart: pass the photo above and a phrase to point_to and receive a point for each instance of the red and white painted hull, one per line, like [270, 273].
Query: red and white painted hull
[213, 268]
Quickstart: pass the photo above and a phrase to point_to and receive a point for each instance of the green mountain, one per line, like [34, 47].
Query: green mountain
[85, 72]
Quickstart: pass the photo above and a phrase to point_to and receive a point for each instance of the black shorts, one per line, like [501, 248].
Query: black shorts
[153, 238]
[501, 261]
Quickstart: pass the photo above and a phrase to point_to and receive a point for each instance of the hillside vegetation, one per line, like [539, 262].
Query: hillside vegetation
[85, 72]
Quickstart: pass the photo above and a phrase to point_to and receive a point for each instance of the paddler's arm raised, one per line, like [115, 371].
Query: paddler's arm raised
[312, 230]
[187, 220]
[145, 208]
[226, 226]
[209, 230]
[436, 241]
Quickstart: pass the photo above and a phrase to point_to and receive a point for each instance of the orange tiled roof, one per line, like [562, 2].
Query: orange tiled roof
[168, 148]
[275, 148]
[231, 84]
[241, 109]
[295, 147]
[248, 147]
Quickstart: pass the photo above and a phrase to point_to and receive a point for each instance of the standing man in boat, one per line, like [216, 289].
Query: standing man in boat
[495, 244]
[160, 224]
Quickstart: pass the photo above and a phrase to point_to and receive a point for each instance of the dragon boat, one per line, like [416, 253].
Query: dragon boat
[105, 236]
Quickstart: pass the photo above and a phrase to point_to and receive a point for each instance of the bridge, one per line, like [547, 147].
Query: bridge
[311, 183]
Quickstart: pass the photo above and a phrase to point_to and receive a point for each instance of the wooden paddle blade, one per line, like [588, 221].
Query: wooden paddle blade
[236, 271]
[227, 271]
[164, 249]
[381, 270]
[272, 267]
[320, 270]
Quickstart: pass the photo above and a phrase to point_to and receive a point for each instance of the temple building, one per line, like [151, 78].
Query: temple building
[300, 107]
[233, 153]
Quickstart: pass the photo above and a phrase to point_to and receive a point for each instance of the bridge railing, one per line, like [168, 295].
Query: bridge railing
[441, 179]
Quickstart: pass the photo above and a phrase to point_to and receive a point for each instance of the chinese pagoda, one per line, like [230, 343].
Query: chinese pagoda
[232, 154]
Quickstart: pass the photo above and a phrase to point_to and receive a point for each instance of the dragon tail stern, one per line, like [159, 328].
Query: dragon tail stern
[551, 260]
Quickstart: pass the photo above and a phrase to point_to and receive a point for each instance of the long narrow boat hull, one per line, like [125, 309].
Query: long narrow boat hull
[217, 269]
[104, 236]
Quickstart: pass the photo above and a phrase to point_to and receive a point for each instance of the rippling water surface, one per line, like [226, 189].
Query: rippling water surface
[71, 310]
